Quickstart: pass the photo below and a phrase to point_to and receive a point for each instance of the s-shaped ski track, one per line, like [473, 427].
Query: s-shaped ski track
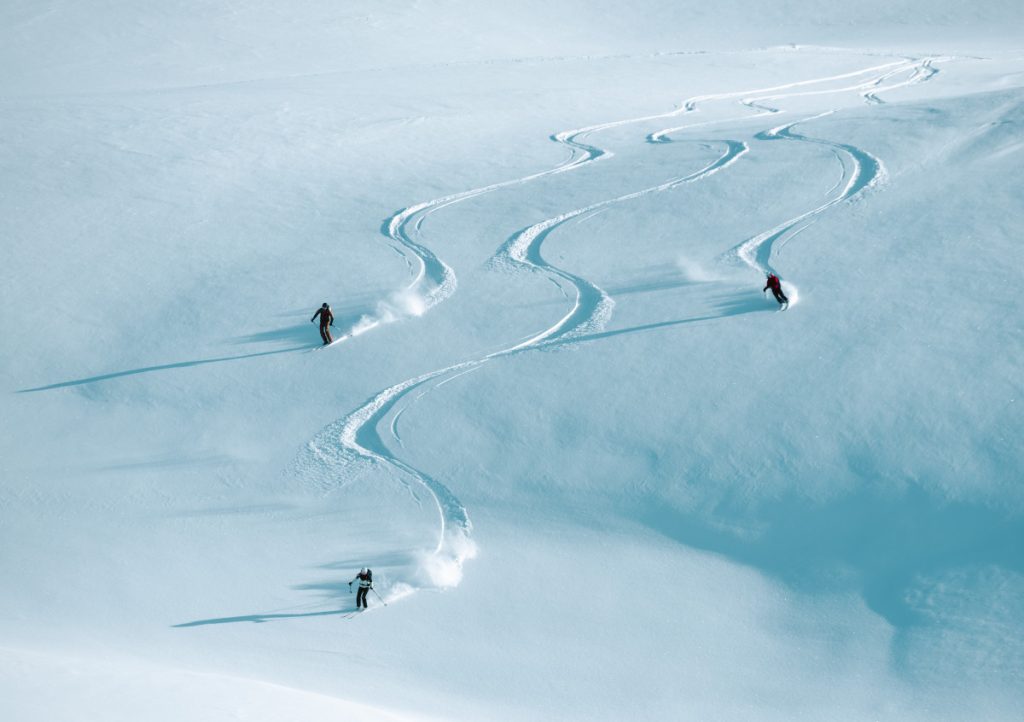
[356, 437]
[861, 169]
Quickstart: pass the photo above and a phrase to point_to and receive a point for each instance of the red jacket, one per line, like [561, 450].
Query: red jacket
[773, 283]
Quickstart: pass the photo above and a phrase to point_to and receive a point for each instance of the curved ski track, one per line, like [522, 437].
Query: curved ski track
[356, 437]
[861, 169]
[592, 306]
[434, 280]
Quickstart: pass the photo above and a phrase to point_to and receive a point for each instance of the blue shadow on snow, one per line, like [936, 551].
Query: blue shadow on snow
[884, 540]
[259, 618]
[163, 367]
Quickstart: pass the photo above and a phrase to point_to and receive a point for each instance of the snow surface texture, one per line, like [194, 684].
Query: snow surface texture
[558, 394]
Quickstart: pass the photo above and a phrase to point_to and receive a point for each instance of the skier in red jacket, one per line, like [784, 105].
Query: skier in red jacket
[776, 285]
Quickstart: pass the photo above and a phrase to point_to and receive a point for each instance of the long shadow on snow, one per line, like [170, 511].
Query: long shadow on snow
[344, 321]
[876, 542]
[345, 317]
[726, 305]
[333, 589]
[259, 618]
[295, 334]
[164, 367]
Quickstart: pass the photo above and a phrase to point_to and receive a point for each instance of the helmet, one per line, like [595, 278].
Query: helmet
[325, 306]
[363, 570]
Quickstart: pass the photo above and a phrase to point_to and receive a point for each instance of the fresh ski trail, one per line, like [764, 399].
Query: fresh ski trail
[752, 98]
[861, 170]
[591, 306]
[356, 437]
[434, 280]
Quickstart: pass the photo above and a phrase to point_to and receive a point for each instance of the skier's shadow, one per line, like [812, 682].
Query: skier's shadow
[165, 367]
[301, 336]
[346, 316]
[335, 589]
[260, 618]
[331, 590]
[733, 304]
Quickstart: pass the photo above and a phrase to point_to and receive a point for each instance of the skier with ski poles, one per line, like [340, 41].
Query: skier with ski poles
[326, 321]
[365, 577]
[775, 284]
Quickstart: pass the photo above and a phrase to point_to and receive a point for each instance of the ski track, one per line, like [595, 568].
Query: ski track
[861, 169]
[592, 306]
[752, 98]
[434, 280]
[356, 438]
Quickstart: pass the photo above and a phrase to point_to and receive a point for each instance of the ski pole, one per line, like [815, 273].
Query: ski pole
[379, 596]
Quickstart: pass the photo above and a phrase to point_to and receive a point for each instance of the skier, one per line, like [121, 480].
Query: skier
[776, 285]
[365, 577]
[326, 321]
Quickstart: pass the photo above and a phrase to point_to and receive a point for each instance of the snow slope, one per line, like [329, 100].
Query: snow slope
[596, 473]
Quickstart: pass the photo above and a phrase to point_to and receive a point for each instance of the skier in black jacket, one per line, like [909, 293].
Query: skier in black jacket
[326, 321]
[365, 577]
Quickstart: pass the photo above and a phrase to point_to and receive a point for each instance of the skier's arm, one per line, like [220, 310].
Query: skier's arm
[314, 316]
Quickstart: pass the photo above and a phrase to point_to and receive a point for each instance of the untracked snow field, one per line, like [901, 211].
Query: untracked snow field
[598, 473]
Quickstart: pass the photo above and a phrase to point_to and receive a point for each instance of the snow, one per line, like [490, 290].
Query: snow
[596, 474]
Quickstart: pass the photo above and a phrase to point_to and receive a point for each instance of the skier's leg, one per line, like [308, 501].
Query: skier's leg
[323, 334]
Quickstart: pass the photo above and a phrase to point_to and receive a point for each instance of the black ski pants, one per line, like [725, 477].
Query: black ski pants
[325, 333]
[361, 597]
[780, 296]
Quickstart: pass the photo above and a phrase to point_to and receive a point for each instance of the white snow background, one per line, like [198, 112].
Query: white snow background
[597, 473]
